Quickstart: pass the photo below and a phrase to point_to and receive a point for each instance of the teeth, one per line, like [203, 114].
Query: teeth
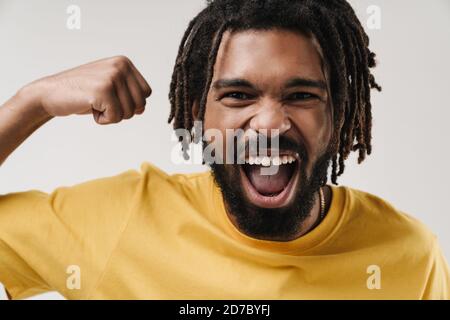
[267, 161]
[276, 161]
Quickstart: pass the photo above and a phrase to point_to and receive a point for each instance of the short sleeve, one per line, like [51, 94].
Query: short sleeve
[47, 239]
[438, 284]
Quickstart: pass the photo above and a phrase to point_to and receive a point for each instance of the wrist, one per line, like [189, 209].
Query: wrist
[28, 103]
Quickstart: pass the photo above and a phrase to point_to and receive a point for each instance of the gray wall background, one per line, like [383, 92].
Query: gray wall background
[409, 165]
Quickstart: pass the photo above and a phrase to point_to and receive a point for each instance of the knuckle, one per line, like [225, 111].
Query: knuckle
[116, 76]
[142, 104]
[115, 116]
[121, 63]
[128, 113]
[148, 91]
[122, 57]
[118, 116]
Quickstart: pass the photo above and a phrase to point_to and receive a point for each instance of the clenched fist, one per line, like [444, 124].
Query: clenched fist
[111, 89]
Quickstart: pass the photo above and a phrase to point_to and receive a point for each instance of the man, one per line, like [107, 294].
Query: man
[296, 73]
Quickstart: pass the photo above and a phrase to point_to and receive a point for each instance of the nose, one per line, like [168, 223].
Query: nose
[271, 115]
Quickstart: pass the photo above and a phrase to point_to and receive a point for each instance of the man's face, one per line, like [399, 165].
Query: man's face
[263, 81]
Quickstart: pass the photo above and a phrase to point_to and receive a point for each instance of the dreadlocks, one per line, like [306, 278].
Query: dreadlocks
[345, 48]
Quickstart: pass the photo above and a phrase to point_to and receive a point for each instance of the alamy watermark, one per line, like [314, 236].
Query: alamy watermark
[73, 21]
[241, 147]
[73, 281]
[374, 280]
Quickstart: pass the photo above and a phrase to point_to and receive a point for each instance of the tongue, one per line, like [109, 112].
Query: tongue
[269, 184]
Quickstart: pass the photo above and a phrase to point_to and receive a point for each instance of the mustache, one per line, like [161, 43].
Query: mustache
[261, 143]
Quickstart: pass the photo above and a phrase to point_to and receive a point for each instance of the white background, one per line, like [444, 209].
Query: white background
[409, 165]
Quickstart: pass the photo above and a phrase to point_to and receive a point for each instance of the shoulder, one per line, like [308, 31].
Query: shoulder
[153, 172]
[403, 246]
[382, 220]
[189, 185]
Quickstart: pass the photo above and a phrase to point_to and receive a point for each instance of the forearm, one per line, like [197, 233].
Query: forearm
[111, 89]
[20, 116]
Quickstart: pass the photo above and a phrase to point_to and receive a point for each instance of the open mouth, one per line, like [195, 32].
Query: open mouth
[270, 190]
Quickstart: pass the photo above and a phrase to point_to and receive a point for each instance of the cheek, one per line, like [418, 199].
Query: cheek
[323, 127]
[217, 120]
[219, 117]
[211, 115]
[315, 127]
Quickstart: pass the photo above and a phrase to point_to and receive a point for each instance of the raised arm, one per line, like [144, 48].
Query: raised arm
[110, 89]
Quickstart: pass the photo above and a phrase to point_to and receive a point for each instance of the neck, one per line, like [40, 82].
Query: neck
[313, 220]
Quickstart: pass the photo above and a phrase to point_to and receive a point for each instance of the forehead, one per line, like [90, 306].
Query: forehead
[268, 55]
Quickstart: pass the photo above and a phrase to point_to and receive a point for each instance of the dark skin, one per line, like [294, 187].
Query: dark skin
[282, 86]
[273, 79]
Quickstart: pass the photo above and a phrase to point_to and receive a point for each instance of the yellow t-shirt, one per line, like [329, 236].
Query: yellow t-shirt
[150, 235]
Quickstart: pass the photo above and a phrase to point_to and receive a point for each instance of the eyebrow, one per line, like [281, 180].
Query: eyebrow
[294, 82]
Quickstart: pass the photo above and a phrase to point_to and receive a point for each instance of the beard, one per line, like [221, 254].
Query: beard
[284, 223]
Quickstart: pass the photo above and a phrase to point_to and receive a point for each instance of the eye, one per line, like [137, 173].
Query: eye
[302, 96]
[237, 95]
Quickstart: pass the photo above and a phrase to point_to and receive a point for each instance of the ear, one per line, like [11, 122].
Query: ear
[195, 110]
